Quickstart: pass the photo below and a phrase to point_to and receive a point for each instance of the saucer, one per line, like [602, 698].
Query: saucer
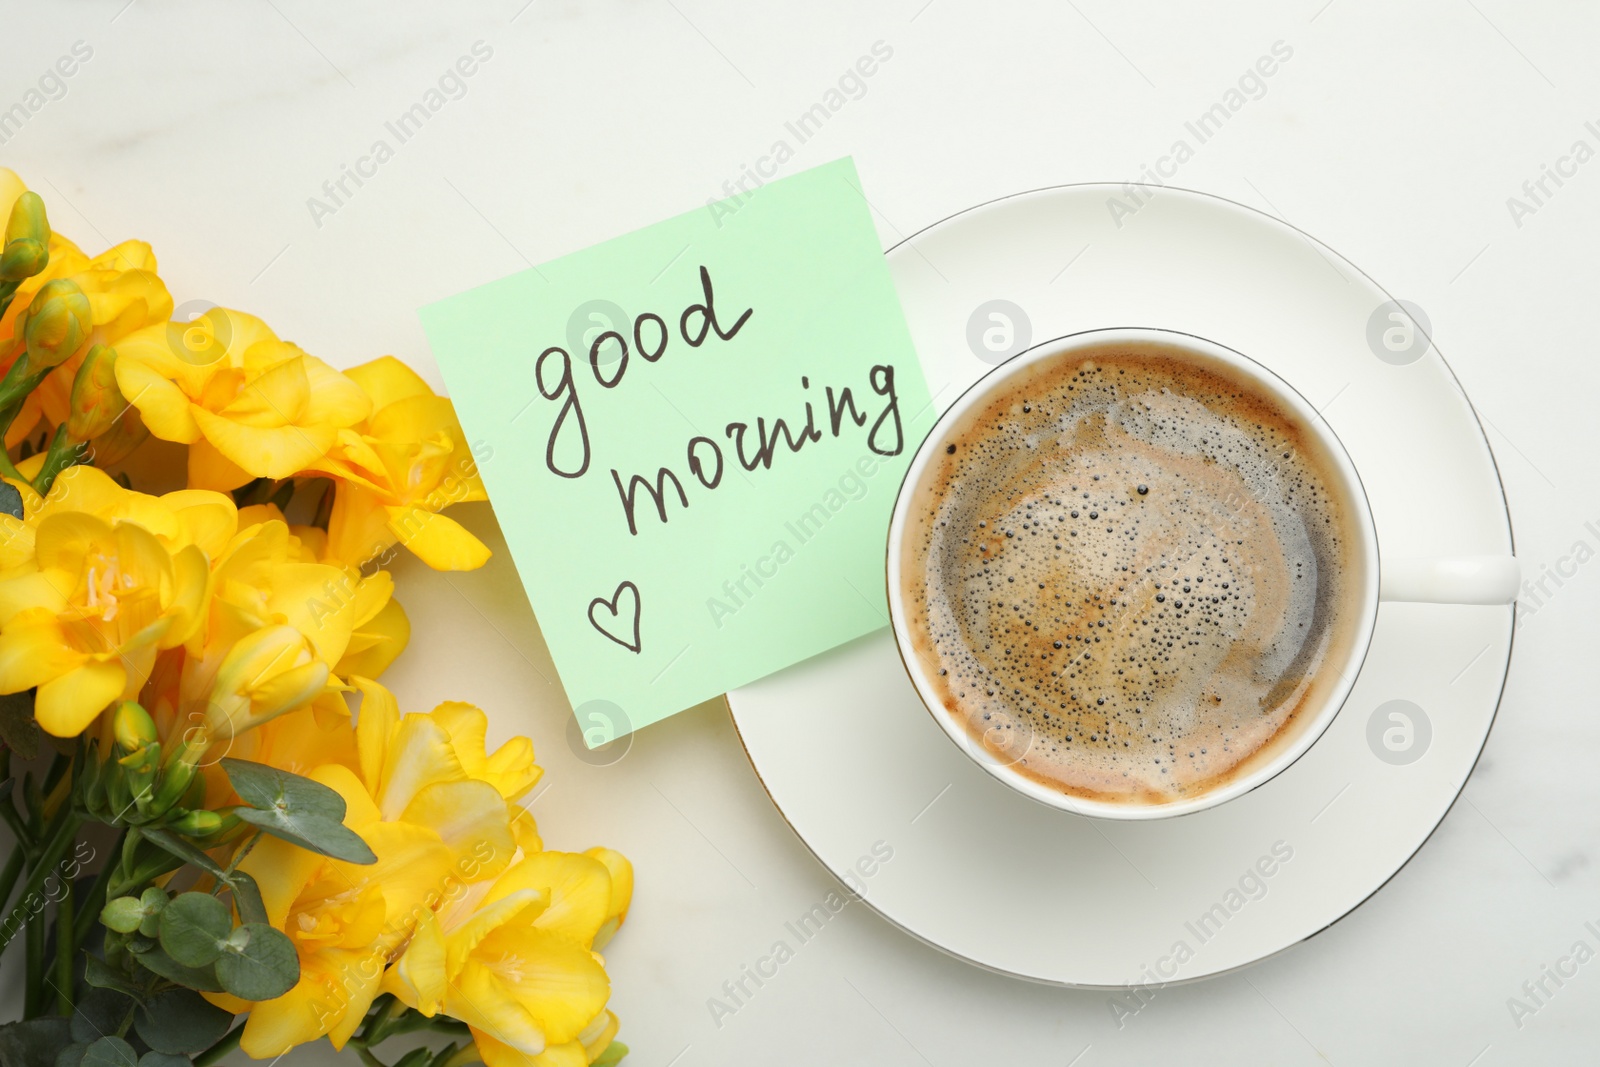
[859, 769]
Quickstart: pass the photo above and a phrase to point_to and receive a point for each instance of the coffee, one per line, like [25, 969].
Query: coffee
[1128, 575]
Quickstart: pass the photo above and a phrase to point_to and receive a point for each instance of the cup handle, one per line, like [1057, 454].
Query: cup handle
[1450, 580]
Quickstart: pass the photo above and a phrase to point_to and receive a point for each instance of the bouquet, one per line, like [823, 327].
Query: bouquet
[228, 835]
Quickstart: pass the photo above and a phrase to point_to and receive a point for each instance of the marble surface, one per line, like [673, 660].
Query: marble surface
[1397, 134]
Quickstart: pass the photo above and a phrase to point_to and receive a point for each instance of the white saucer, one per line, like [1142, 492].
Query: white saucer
[852, 759]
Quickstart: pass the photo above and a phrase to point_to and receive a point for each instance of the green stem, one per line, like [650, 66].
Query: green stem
[9, 876]
[242, 852]
[66, 949]
[63, 830]
[377, 1027]
[89, 914]
[33, 798]
[33, 992]
[64, 452]
[225, 1044]
[15, 387]
[52, 777]
[8, 812]
[366, 1056]
[8, 804]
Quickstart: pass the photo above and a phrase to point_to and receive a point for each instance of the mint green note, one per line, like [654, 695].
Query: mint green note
[696, 433]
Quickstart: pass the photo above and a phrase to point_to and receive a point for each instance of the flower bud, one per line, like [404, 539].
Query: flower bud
[198, 823]
[27, 240]
[28, 221]
[22, 259]
[174, 783]
[96, 400]
[59, 320]
[133, 727]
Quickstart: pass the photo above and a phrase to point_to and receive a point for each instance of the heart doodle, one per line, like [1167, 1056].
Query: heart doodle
[615, 612]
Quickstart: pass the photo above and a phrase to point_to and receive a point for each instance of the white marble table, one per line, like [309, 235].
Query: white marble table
[1396, 134]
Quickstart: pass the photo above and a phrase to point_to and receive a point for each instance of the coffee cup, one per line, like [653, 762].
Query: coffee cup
[1124, 686]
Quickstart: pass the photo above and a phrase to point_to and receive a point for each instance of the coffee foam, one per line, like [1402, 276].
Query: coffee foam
[1135, 570]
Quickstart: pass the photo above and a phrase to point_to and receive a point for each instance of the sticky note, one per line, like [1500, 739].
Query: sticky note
[692, 437]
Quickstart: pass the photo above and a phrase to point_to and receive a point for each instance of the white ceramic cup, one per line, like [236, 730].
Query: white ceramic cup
[1459, 580]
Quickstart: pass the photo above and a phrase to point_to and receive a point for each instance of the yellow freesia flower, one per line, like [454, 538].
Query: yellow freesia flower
[433, 769]
[397, 470]
[381, 630]
[513, 960]
[434, 828]
[345, 919]
[94, 581]
[247, 404]
[278, 625]
[125, 294]
[186, 517]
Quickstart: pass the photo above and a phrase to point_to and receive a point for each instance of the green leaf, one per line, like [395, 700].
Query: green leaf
[194, 927]
[300, 811]
[326, 837]
[151, 903]
[180, 1022]
[162, 1059]
[10, 500]
[109, 1052]
[123, 914]
[612, 1055]
[18, 728]
[35, 1043]
[101, 975]
[100, 1012]
[265, 787]
[415, 1058]
[259, 963]
[247, 898]
[184, 851]
[72, 1055]
[158, 962]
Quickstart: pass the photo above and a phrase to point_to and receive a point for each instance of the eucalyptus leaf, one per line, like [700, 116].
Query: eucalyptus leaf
[162, 1059]
[259, 963]
[101, 975]
[180, 1022]
[72, 1055]
[109, 1052]
[123, 914]
[100, 1012]
[35, 1043]
[154, 960]
[247, 898]
[266, 787]
[193, 928]
[151, 902]
[10, 500]
[298, 810]
[326, 837]
[184, 851]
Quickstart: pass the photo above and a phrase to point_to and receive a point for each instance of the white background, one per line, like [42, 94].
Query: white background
[1395, 134]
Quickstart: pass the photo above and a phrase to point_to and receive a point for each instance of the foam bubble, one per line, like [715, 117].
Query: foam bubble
[1134, 562]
